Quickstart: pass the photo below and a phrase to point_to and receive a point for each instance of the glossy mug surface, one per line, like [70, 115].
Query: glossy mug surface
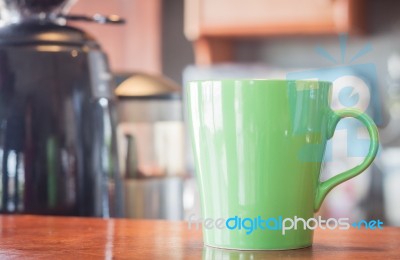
[258, 147]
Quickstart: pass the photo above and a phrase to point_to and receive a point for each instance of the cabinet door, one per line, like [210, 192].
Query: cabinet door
[270, 17]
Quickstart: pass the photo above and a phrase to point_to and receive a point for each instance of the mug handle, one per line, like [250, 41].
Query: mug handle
[326, 186]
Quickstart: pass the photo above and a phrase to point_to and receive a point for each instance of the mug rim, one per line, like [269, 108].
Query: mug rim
[300, 81]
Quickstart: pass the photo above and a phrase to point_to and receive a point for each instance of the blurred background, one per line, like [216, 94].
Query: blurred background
[155, 46]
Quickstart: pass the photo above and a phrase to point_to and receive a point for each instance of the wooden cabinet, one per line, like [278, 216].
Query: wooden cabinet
[212, 24]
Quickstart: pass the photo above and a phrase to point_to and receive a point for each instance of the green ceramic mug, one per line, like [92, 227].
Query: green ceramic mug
[258, 147]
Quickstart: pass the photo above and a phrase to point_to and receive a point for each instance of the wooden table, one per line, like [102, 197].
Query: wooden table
[25, 237]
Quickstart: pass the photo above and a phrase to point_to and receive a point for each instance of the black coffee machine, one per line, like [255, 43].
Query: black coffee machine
[58, 151]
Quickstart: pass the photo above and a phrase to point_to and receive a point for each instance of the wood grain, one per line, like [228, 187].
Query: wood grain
[35, 237]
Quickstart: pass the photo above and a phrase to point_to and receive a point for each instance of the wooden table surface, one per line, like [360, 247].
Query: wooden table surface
[35, 237]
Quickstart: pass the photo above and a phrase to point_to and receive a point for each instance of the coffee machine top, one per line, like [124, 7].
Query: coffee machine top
[47, 33]
[15, 11]
[44, 22]
[47, 11]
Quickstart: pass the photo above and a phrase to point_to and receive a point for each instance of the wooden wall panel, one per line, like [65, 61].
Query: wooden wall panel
[135, 46]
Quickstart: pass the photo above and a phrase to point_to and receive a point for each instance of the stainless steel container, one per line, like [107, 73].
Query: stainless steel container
[151, 142]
